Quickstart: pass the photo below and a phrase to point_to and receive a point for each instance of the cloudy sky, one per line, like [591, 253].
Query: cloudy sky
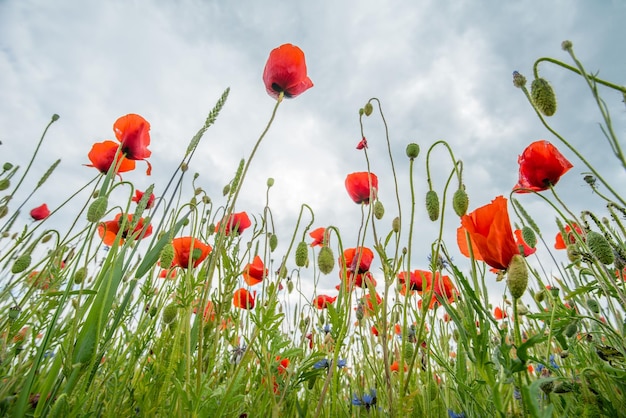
[442, 71]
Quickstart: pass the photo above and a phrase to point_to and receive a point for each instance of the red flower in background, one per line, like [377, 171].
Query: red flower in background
[40, 212]
[254, 272]
[362, 186]
[498, 313]
[490, 233]
[318, 237]
[237, 222]
[184, 251]
[322, 301]
[133, 131]
[285, 71]
[139, 195]
[110, 229]
[419, 280]
[541, 165]
[357, 262]
[560, 243]
[102, 155]
[243, 299]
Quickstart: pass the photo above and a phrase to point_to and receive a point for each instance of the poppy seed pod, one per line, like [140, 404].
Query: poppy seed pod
[412, 150]
[273, 242]
[4, 184]
[97, 209]
[169, 313]
[566, 45]
[302, 254]
[517, 276]
[379, 210]
[543, 96]
[270, 182]
[529, 236]
[432, 205]
[167, 256]
[326, 260]
[460, 201]
[21, 263]
[600, 247]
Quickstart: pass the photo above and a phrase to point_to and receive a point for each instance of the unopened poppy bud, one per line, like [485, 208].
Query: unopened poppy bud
[379, 210]
[573, 254]
[46, 238]
[517, 276]
[412, 150]
[395, 224]
[593, 305]
[359, 312]
[290, 286]
[543, 96]
[282, 272]
[169, 313]
[3, 211]
[206, 200]
[97, 209]
[302, 254]
[432, 205]
[326, 260]
[460, 201]
[80, 275]
[21, 264]
[55, 117]
[409, 350]
[529, 236]
[184, 167]
[566, 45]
[600, 247]
[519, 80]
[368, 109]
[270, 182]
[4, 184]
[571, 329]
[521, 308]
[14, 313]
[273, 242]
[226, 190]
[7, 166]
[167, 256]
[153, 311]
[540, 296]
[546, 386]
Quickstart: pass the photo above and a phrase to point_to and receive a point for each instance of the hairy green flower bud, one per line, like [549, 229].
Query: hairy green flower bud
[326, 260]
[573, 254]
[226, 190]
[169, 313]
[302, 254]
[97, 209]
[543, 96]
[7, 166]
[600, 247]
[5, 184]
[14, 313]
[529, 236]
[593, 305]
[379, 210]
[3, 211]
[368, 109]
[517, 276]
[571, 329]
[55, 117]
[270, 182]
[167, 256]
[566, 45]
[395, 224]
[273, 242]
[80, 275]
[460, 201]
[412, 150]
[432, 205]
[540, 296]
[519, 80]
[290, 286]
[21, 264]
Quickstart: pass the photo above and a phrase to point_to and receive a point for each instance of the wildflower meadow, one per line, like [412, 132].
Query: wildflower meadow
[166, 301]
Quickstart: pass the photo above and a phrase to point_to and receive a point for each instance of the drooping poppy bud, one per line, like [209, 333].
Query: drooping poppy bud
[379, 210]
[21, 263]
[169, 313]
[167, 256]
[368, 109]
[529, 236]
[80, 275]
[4, 184]
[460, 201]
[302, 254]
[600, 247]
[97, 209]
[326, 260]
[593, 305]
[519, 80]
[395, 224]
[543, 96]
[273, 242]
[432, 205]
[517, 276]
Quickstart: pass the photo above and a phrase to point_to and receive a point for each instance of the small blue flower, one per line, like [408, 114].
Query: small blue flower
[553, 362]
[517, 394]
[341, 363]
[367, 400]
[539, 368]
[322, 364]
[453, 414]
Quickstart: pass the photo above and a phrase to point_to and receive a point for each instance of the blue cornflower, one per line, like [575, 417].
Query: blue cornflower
[453, 414]
[517, 394]
[325, 363]
[553, 362]
[326, 328]
[367, 400]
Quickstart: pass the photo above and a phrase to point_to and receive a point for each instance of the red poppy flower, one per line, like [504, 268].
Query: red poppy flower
[133, 131]
[254, 272]
[322, 301]
[357, 262]
[490, 233]
[184, 252]
[541, 165]
[362, 144]
[441, 286]
[362, 186]
[374, 330]
[560, 244]
[102, 155]
[283, 363]
[285, 71]
[40, 212]
[237, 222]
[209, 310]
[243, 299]
[524, 248]
[318, 237]
[110, 229]
[371, 302]
[139, 195]
[167, 274]
[498, 313]
[420, 279]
